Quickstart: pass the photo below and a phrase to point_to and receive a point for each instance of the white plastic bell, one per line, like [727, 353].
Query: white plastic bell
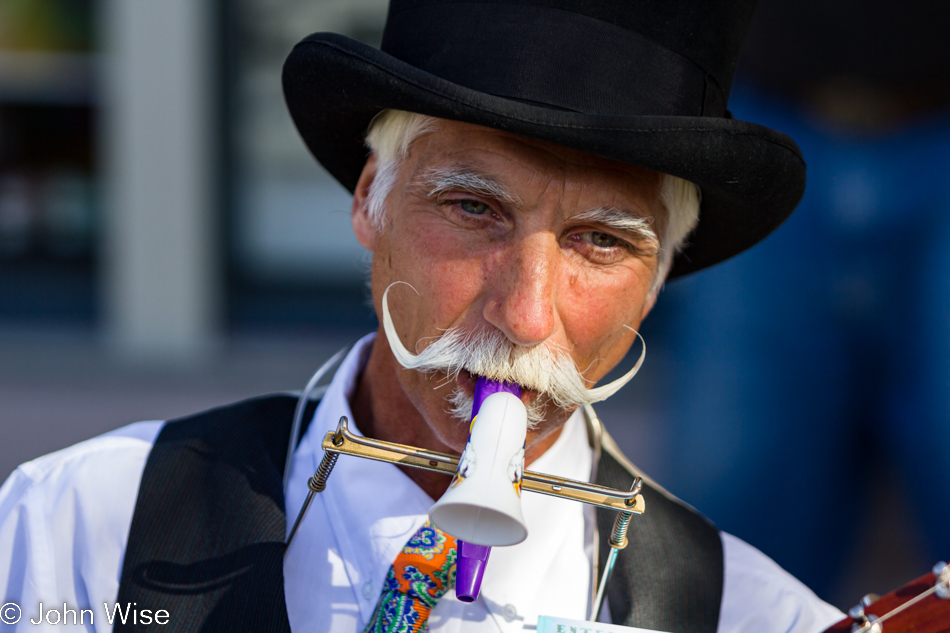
[483, 502]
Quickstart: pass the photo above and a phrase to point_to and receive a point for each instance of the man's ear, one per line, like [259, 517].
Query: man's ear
[362, 224]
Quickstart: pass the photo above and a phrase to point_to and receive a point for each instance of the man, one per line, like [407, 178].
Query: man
[519, 204]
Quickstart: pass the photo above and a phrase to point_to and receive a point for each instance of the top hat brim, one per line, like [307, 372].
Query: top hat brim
[751, 177]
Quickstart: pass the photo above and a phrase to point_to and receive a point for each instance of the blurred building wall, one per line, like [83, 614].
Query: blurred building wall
[48, 198]
[160, 265]
[293, 259]
[152, 185]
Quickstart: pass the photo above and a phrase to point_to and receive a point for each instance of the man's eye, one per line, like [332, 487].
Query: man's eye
[603, 240]
[474, 207]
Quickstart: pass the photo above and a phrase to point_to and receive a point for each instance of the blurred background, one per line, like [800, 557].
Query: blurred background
[167, 244]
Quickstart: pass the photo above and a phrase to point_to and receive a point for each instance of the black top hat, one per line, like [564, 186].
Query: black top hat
[640, 81]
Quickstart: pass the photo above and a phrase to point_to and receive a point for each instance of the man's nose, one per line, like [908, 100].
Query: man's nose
[522, 295]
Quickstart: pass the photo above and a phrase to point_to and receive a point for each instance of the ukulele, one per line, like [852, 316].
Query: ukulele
[923, 606]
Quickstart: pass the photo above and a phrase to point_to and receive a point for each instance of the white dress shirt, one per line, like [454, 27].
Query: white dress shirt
[64, 521]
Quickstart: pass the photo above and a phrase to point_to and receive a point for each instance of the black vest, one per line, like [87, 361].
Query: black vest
[207, 536]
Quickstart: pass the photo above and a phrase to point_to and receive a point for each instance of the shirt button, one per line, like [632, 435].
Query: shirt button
[509, 613]
[367, 590]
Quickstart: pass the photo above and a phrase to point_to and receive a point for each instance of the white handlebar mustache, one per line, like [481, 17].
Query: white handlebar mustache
[540, 368]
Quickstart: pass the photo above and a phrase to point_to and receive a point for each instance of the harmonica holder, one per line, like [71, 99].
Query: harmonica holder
[343, 442]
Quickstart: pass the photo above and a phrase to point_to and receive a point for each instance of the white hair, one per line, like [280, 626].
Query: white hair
[392, 132]
[681, 200]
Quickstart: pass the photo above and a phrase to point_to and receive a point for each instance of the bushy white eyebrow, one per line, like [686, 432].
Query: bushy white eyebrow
[438, 180]
[441, 179]
[625, 221]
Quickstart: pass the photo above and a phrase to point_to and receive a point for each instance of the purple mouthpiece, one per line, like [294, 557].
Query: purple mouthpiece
[472, 559]
[470, 567]
[485, 387]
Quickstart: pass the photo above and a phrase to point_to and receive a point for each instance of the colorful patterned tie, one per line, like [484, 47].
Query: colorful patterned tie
[420, 575]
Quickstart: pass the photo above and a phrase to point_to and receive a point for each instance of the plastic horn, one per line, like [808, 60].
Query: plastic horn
[472, 558]
[482, 505]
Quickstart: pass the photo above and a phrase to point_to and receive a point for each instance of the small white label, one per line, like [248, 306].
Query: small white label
[549, 624]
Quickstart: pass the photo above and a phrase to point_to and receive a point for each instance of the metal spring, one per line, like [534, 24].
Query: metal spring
[318, 482]
[618, 537]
